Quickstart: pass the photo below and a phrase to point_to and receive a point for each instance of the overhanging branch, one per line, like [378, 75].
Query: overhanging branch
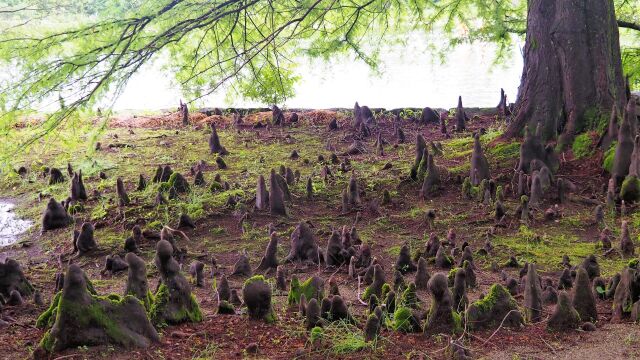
[628, 25]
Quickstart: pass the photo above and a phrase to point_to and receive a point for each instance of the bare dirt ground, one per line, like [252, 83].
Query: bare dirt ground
[133, 146]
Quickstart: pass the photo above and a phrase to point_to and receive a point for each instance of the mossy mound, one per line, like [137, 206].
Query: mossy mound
[226, 308]
[582, 145]
[490, 311]
[386, 289]
[451, 275]
[163, 312]
[216, 187]
[178, 182]
[371, 291]
[85, 319]
[410, 297]
[48, 317]
[405, 321]
[257, 296]
[147, 300]
[468, 190]
[312, 288]
[173, 302]
[316, 334]
[630, 189]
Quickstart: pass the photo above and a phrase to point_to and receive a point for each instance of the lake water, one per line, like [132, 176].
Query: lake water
[410, 77]
[11, 227]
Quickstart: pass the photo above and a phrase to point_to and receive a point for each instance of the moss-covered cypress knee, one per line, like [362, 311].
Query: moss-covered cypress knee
[404, 263]
[123, 198]
[441, 318]
[371, 328]
[497, 308]
[312, 288]
[303, 245]
[564, 316]
[55, 216]
[137, 284]
[405, 320]
[626, 244]
[270, 260]
[533, 295]
[12, 278]
[376, 286]
[583, 299]
[626, 293]
[422, 275]
[242, 267]
[257, 296]
[86, 319]
[173, 302]
[630, 189]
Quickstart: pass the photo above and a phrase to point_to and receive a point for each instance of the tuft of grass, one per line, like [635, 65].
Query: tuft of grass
[576, 221]
[342, 338]
[209, 351]
[491, 135]
[394, 250]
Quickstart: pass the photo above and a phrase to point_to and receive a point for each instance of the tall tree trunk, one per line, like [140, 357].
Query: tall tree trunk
[572, 68]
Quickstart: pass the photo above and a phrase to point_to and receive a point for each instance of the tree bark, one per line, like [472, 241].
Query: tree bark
[572, 72]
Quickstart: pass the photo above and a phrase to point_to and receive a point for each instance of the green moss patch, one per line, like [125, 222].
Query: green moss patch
[504, 151]
[87, 316]
[583, 145]
[403, 320]
[630, 189]
[497, 307]
[308, 288]
[546, 249]
[609, 155]
[188, 313]
[48, 317]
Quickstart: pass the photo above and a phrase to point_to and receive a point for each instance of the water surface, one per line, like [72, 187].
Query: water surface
[11, 226]
[409, 77]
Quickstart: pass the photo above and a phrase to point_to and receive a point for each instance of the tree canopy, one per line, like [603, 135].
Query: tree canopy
[77, 52]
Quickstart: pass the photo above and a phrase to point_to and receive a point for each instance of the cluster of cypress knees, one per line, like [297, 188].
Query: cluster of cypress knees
[79, 316]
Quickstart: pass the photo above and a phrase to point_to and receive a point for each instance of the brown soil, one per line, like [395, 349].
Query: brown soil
[227, 337]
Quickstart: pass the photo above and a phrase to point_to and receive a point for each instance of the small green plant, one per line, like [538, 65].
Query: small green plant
[208, 352]
[316, 335]
[342, 338]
